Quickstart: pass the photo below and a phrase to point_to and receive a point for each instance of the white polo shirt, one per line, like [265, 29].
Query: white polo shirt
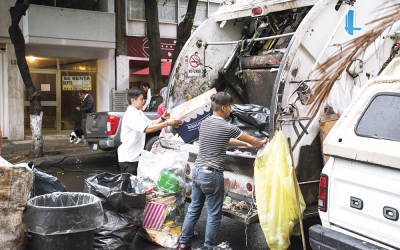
[133, 136]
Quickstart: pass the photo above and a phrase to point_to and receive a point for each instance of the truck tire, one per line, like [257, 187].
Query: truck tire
[150, 143]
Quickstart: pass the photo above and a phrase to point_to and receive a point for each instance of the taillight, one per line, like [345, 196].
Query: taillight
[112, 124]
[323, 193]
[187, 169]
[249, 187]
[257, 11]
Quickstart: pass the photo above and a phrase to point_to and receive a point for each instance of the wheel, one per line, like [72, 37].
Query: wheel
[150, 143]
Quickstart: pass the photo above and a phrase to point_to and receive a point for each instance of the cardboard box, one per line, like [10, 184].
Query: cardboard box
[193, 113]
[326, 126]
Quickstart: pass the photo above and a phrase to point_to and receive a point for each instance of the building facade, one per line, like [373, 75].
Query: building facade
[170, 14]
[70, 45]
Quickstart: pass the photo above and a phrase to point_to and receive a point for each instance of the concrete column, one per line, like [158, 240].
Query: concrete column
[122, 72]
[15, 97]
[106, 80]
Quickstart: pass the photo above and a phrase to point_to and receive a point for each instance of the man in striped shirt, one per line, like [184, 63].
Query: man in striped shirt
[208, 177]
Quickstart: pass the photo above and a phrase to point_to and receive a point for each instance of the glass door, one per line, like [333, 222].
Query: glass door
[47, 84]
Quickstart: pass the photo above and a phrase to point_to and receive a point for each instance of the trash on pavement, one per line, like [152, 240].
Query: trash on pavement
[275, 194]
[165, 174]
[123, 197]
[15, 190]
[192, 113]
[45, 183]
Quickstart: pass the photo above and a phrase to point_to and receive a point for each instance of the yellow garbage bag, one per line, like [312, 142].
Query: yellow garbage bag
[276, 195]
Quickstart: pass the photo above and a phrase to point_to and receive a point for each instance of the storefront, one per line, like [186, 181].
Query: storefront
[59, 80]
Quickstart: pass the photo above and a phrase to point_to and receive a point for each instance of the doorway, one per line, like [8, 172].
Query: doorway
[59, 80]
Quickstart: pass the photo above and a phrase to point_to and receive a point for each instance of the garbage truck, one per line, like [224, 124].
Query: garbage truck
[266, 53]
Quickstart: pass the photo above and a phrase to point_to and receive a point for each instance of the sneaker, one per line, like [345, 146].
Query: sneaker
[184, 247]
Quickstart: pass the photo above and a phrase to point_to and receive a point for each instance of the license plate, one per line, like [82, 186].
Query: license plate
[95, 146]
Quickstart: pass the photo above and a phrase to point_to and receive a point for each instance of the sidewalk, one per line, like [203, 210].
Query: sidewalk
[57, 152]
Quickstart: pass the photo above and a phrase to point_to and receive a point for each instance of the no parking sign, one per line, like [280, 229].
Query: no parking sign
[194, 61]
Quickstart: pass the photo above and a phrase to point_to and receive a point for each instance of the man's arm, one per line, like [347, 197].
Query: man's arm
[158, 126]
[237, 143]
[252, 140]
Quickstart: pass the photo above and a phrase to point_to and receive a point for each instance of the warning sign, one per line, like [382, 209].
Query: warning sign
[194, 61]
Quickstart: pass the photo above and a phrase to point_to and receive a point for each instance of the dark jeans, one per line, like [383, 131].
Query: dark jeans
[129, 167]
[206, 187]
[83, 127]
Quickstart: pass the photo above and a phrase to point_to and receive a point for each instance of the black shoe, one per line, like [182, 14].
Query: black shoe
[204, 248]
[184, 247]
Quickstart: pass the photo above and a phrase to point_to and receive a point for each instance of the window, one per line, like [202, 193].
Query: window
[166, 10]
[381, 118]
[96, 5]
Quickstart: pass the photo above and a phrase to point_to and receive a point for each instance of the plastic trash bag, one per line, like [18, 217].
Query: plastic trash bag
[164, 175]
[45, 183]
[123, 197]
[63, 213]
[275, 194]
[250, 118]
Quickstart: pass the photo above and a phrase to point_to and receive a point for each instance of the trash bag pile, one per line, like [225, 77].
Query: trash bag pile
[163, 174]
[45, 183]
[276, 195]
[251, 118]
[123, 198]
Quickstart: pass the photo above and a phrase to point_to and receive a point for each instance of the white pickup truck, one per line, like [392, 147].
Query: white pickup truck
[359, 200]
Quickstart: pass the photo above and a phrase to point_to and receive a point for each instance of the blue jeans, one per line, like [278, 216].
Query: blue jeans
[206, 187]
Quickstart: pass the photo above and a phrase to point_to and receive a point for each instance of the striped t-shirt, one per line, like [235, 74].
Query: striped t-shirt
[214, 136]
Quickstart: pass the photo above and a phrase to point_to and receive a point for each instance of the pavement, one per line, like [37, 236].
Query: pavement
[57, 152]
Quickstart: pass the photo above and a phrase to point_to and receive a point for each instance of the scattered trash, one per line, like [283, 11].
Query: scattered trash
[45, 183]
[164, 177]
[15, 190]
[276, 195]
[123, 198]
[235, 206]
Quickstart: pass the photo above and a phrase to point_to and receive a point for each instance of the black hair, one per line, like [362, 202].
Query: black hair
[146, 85]
[220, 99]
[82, 92]
[133, 93]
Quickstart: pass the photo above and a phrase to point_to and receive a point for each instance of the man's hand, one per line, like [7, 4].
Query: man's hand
[78, 108]
[166, 115]
[175, 123]
[262, 143]
[147, 109]
[250, 146]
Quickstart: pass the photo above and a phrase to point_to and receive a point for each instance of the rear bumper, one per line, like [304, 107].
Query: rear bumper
[104, 144]
[323, 238]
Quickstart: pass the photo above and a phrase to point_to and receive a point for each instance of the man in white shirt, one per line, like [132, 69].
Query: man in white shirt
[146, 88]
[135, 125]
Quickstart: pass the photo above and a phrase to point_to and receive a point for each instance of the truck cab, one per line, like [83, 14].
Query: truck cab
[359, 199]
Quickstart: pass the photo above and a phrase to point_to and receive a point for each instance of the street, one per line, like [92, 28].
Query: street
[230, 230]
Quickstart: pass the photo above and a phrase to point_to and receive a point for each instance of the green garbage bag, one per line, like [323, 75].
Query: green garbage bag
[276, 195]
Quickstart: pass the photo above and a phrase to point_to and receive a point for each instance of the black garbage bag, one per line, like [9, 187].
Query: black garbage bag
[123, 197]
[45, 183]
[255, 115]
[250, 118]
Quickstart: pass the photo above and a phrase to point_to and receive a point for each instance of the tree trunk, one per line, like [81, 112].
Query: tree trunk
[36, 110]
[184, 31]
[153, 35]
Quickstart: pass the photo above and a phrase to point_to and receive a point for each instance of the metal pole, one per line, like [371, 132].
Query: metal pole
[256, 40]
[297, 196]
